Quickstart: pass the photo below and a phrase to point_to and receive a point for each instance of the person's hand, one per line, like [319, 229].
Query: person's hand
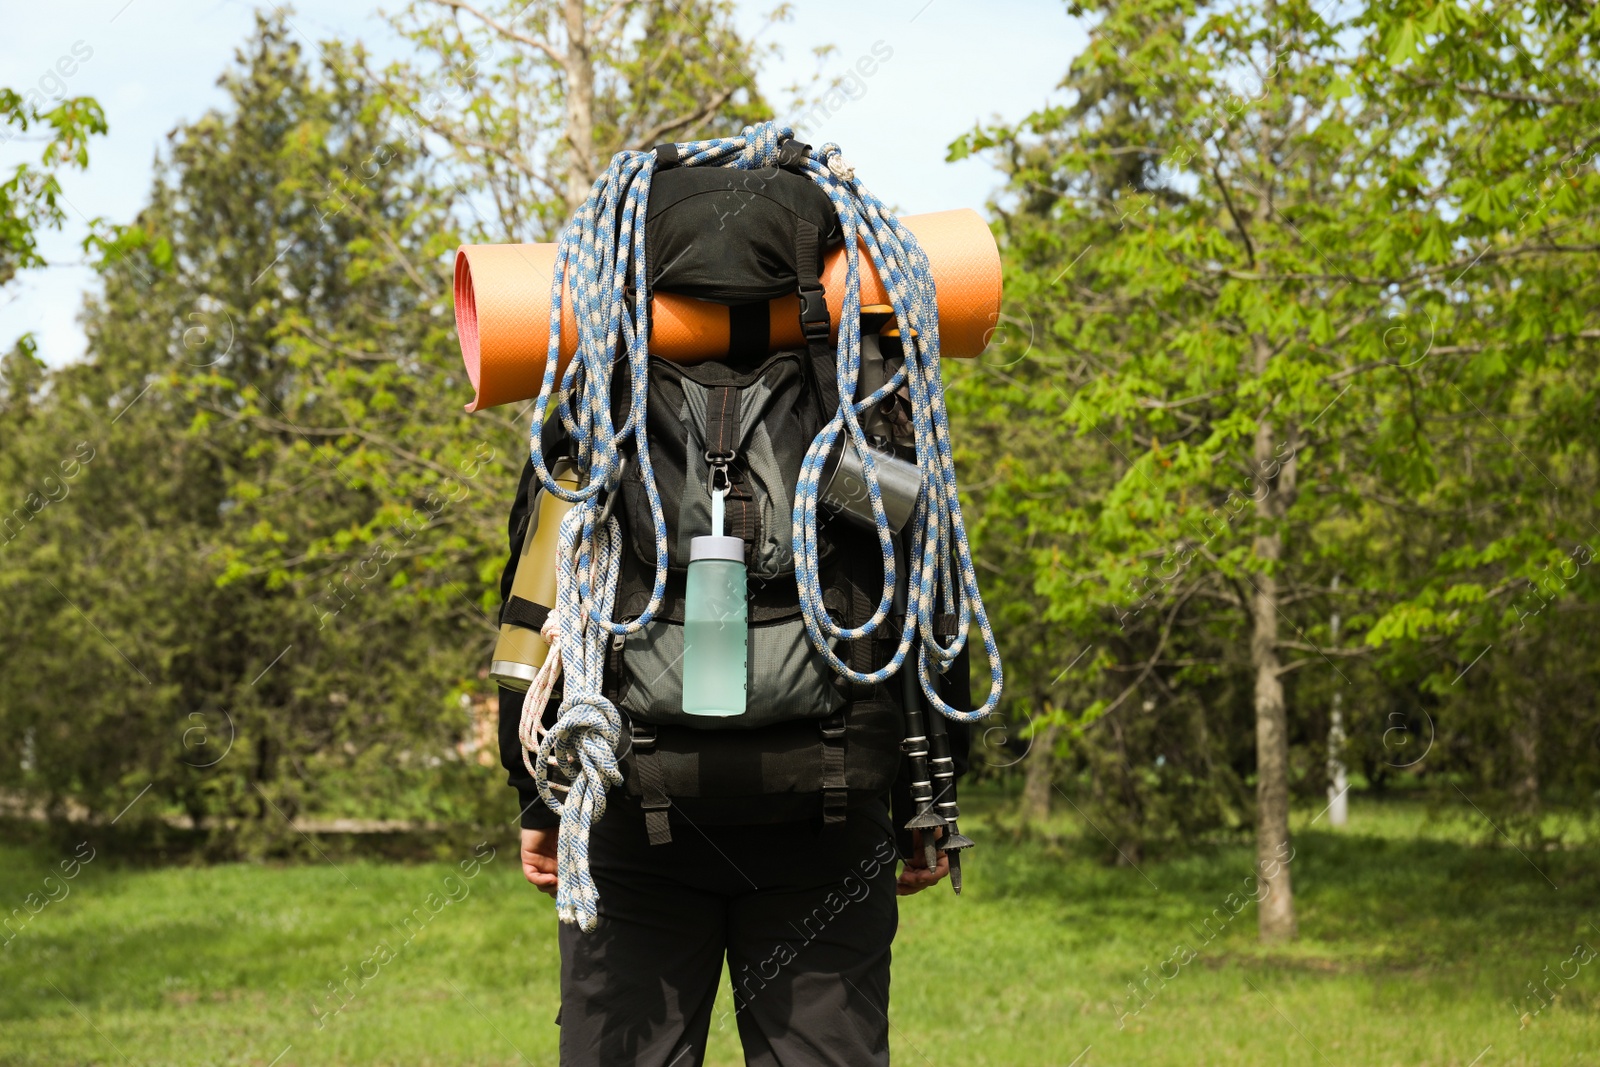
[539, 859]
[915, 876]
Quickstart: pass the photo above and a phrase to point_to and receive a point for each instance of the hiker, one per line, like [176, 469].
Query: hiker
[734, 659]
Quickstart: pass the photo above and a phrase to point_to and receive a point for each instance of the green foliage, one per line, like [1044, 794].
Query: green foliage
[209, 596]
[251, 546]
[1288, 300]
[30, 196]
[1306, 292]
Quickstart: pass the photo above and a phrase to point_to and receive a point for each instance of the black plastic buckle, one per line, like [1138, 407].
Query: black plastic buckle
[814, 314]
[643, 734]
[792, 154]
[666, 156]
[832, 727]
[612, 672]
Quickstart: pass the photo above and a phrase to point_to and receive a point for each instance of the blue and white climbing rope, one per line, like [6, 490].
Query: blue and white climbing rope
[583, 742]
[599, 256]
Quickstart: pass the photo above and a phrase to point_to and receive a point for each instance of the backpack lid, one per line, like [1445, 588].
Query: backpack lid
[732, 236]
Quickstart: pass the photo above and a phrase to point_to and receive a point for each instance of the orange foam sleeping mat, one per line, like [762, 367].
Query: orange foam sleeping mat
[503, 306]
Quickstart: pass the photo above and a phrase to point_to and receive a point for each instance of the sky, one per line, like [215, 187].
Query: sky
[937, 67]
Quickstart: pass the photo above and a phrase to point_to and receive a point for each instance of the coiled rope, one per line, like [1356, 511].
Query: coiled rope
[583, 742]
[599, 255]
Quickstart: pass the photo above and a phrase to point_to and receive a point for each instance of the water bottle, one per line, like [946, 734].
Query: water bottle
[715, 627]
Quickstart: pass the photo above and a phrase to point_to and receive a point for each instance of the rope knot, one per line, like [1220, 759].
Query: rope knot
[841, 168]
[584, 741]
[530, 728]
[583, 746]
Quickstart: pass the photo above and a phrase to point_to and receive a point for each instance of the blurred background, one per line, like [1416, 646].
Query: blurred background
[1282, 470]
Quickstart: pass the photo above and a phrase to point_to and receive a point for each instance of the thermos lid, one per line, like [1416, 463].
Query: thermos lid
[712, 547]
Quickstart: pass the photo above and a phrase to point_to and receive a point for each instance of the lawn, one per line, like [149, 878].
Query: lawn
[1418, 943]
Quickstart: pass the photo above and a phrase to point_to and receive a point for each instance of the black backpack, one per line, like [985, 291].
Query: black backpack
[810, 742]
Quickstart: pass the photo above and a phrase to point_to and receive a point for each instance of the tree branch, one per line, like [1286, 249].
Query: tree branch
[1155, 657]
[1222, 186]
[1500, 94]
[654, 134]
[505, 31]
[342, 350]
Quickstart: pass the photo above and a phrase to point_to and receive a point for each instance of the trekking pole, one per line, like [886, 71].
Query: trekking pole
[943, 764]
[915, 745]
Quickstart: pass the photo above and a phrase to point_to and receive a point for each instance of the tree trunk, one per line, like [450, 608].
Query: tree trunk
[1273, 488]
[1276, 913]
[1338, 776]
[1525, 752]
[1338, 780]
[1130, 849]
[1039, 774]
[580, 105]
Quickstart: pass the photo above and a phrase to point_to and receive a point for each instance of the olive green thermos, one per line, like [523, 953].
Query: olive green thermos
[521, 650]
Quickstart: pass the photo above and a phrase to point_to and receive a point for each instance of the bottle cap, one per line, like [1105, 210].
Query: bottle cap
[710, 546]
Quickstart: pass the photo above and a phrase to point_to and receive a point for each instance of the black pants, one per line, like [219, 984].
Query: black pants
[804, 914]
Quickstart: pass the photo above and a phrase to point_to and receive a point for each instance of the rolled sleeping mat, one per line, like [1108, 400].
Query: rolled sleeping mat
[966, 278]
[503, 320]
[503, 307]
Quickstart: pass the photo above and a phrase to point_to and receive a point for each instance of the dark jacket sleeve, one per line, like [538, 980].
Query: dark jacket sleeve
[536, 815]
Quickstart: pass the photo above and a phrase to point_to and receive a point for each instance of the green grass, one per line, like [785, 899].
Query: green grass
[1416, 940]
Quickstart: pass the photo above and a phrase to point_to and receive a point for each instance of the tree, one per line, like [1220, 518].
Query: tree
[1237, 232]
[530, 101]
[32, 479]
[234, 490]
[278, 599]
